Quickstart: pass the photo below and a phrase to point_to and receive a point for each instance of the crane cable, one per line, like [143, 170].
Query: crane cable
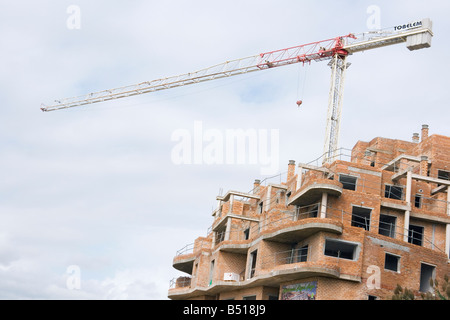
[299, 101]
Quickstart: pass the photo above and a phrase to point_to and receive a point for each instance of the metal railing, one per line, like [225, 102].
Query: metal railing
[192, 247]
[294, 255]
[362, 185]
[189, 248]
[251, 232]
[394, 231]
[348, 218]
[180, 282]
[278, 178]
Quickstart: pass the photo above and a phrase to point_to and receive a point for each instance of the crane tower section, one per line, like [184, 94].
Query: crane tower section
[338, 69]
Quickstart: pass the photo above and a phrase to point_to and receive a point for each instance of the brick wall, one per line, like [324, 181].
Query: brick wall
[355, 276]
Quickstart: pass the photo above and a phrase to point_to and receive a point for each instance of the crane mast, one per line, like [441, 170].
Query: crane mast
[417, 35]
[338, 69]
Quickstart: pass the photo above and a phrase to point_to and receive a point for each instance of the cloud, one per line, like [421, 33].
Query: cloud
[95, 186]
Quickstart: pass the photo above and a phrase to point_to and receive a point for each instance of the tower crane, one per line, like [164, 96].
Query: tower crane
[417, 35]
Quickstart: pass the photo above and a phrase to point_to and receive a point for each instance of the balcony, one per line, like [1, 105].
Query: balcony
[185, 257]
[185, 289]
[180, 282]
[294, 231]
[234, 246]
[297, 263]
[312, 191]
[221, 223]
[285, 228]
[231, 193]
[295, 271]
[277, 267]
[235, 202]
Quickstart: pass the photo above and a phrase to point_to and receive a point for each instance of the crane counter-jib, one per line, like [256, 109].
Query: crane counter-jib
[417, 35]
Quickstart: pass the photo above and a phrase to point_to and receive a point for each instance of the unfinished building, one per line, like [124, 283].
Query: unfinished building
[375, 217]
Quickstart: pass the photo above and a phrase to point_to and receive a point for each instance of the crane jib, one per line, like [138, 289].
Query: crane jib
[417, 35]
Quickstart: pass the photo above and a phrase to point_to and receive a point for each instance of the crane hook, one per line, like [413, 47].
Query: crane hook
[299, 102]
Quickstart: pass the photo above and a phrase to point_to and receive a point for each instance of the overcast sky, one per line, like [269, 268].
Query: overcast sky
[97, 188]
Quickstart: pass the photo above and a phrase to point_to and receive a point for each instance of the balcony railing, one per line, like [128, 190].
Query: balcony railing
[296, 255]
[180, 282]
[380, 227]
[195, 246]
[268, 222]
[189, 248]
[347, 218]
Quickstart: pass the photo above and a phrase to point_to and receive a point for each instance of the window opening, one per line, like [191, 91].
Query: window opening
[288, 195]
[348, 182]
[444, 175]
[418, 201]
[393, 192]
[387, 225]
[211, 271]
[415, 235]
[391, 262]
[427, 272]
[253, 257]
[361, 217]
[260, 207]
[340, 249]
[246, 234]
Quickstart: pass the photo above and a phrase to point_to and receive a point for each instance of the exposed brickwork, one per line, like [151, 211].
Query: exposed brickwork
[354, 228]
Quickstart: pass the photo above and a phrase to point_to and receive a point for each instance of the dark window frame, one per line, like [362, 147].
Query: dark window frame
[393, 192]
[332, 246]
[252, 263]
[386, 227]
[418, 200]
[443, 174]
[424, 284]
[346, 183]
[359, 217]
[414, 236]
[392, 262]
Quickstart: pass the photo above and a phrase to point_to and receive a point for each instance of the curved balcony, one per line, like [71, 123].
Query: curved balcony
[235, 246]
[184, 263]
[185, 257]
[272, 277]
[301, 270]
[312, 191]
[297, 230]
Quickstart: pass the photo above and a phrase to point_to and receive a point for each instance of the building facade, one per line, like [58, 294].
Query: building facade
[352, 228]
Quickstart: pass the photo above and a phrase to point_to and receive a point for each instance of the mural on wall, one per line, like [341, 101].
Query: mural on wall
[299, 291]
